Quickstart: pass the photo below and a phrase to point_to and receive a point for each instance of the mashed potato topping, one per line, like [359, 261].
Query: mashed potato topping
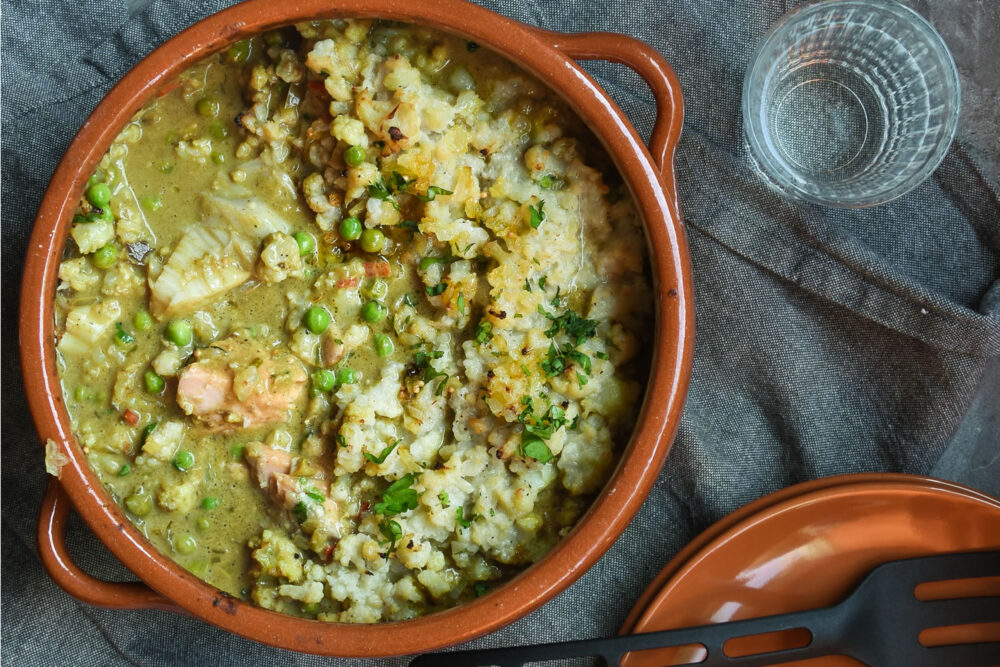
[353, 320]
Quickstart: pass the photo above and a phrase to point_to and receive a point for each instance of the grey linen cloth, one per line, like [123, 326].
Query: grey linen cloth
[828, 341]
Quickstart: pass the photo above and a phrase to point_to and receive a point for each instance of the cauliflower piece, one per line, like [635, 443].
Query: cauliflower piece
[91, 236]
[162, 443]
[180, 497]
[349, 130]
[87, 325]
[78, 274]
[279, 259]
[277, 556]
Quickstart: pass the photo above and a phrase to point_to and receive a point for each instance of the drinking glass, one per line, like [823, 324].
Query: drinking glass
[850, 102]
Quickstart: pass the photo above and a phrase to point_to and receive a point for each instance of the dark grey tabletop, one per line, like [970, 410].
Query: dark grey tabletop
[880, 353]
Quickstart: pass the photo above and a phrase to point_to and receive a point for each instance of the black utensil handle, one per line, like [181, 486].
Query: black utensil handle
[821, 623]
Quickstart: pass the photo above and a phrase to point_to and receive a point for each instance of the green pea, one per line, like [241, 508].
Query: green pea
[202, 523]
[306, 241]
[124, 470]
[373, 312]
[383, 345]
[218, 131]
[274, 37]
[372, 240]
[151, 203]
[324, 380]
[346, 376]
[207, 107]
[185, 544]
[99, 194]
[139, 504]
[376, 289]
[183, 460]
[350, 229]
[105, 257]
[217, 157]
[317, 319]
[179, 332]
[354, 156]
[142, 320]
[210, 503]
[239, 52]
[154, 383]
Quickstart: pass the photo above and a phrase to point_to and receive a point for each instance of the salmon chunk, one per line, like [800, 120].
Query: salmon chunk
[240, 385]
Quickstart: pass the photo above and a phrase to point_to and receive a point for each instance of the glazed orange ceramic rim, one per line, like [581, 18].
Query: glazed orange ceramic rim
[641, 461]
[760, 509]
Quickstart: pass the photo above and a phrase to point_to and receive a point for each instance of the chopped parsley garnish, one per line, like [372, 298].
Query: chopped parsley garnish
[398, 498]
[436, 290]
[397, 181]
[547, 182]
[581, 379]
[341, 440]
[542, 281]
[428, 261]
[380, 459]
[123, 337]
[484, 332]
[445, 501]
[460, 304]
[433, 192]
[392, 531]
[601, 355]
[539, 429]
[577, 329]
[410, 225]
[534, 447]
[462, 521]
[536, 214]
[378, 190]
[527, 285]
[300, 511]
[315, 495]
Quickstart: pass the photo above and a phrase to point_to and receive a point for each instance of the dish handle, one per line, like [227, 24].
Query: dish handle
[58, 563]
[647, 62]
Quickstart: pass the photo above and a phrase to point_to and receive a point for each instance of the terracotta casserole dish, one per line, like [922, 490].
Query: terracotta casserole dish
[650, 176]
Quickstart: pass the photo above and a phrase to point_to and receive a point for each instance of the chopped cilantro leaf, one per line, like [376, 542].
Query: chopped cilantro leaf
[462, 521]
[542, 281]
[380, 459]
[300, 511]
[341, 440]
[392, 531]
[315, 495]
[378, 190]
[445, 501]
[460, 304]
[433, 192]
[534, 447]
[436, 290]
[398, 498]
[536, 214]
[484, 332]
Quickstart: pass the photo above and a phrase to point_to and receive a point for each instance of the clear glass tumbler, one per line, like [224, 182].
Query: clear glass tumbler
[850, 102]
